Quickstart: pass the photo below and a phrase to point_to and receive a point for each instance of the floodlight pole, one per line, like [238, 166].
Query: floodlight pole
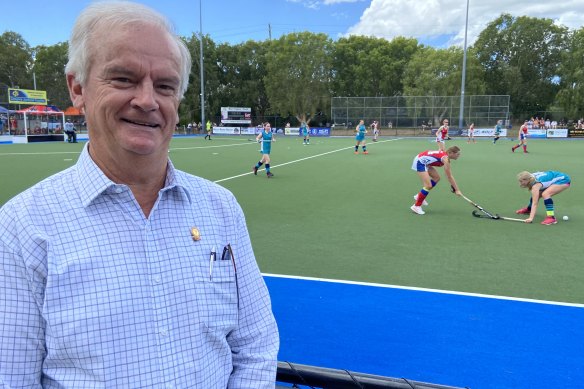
[201, 65]
[461, 114]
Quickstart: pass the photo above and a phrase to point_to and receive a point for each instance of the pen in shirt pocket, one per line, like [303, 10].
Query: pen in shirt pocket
[212, 258]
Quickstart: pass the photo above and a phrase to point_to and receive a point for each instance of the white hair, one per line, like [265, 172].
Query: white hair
[109, 15]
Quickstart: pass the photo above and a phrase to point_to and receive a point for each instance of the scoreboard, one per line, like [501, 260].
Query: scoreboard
[235, 115]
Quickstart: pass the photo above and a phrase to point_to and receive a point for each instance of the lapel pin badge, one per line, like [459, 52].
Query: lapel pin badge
[195, 233]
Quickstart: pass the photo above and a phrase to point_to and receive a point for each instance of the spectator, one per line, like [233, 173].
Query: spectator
[70, 131]
[122, 271]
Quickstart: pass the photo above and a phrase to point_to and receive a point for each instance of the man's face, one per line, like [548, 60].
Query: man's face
[131, 96]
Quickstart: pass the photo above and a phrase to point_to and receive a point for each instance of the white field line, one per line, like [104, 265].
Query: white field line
[451, 292]
[301, 159]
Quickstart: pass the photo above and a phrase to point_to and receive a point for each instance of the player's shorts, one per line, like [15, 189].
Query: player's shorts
[305, 132]
[419, 166]
[360, 137]
[522, 136]
[564, 181]
[439, 140]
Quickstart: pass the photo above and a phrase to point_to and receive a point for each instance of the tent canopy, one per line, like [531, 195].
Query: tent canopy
[43, 109]
[4, 110]
[72, 111]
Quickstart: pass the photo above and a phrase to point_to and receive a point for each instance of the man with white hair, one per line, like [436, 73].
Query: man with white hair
[123, 271]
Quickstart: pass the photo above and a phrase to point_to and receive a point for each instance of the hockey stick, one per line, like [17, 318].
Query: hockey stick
[489, 214]
[512, 219]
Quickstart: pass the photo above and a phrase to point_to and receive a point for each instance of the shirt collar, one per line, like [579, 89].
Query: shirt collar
[93, 182]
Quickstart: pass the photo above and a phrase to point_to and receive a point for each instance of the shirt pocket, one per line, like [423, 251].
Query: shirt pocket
[217, 294]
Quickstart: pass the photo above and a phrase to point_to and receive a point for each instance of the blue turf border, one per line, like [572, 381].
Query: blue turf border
[447, 339]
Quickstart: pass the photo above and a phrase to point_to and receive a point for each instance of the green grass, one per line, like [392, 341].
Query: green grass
[329, 213]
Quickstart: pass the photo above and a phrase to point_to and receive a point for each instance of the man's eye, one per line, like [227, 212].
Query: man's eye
[167, 89]
[121, 80]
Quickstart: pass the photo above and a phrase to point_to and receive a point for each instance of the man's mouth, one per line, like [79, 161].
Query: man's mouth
[151, 125]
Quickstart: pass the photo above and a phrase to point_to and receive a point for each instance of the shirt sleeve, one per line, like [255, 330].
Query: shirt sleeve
[255, 342]
[22, 330]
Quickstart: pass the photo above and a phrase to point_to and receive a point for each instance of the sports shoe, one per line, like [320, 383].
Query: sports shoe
[549, 220]
[356, 152]
[423, 202]
[365, 152]
[417, 210]
[513, 149]
[523, 211]
[255, 170]
[269, 174]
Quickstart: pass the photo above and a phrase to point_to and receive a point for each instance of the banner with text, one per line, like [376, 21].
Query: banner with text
[27, 96]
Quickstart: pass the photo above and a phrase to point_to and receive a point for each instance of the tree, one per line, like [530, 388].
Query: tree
[368, 66]
[521, 57]
[15, 61]
[298, 77]
[571, 94]
[242, 69]
[437, 73]
[190, 108]
[49, 70]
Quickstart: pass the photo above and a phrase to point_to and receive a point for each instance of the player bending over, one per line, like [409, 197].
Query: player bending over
[425, 165]
[544, 185]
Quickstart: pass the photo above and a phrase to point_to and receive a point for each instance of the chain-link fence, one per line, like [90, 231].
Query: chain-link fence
[419, 111]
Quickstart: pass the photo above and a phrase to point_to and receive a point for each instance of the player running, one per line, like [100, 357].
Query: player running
[442, 135]
[375, 129]
[522, 138]
[544, 185]
[266, 137]
[305, 130]
[425, 165]
[471, 130]
[361, 130]
[498, 128]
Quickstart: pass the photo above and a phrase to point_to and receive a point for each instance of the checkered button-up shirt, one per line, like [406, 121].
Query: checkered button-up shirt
[95, 295]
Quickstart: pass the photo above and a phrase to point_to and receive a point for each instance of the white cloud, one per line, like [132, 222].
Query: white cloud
[432, 19]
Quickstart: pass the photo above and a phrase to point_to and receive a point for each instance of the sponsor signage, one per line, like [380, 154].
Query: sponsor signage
[226, 130]
[557, 133]
[314, 131]
[247, 130]
[479, 132]
[576, 133]
[27, 96]
[536, 133]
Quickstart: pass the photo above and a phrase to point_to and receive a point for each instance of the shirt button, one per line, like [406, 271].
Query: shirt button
[118, 189]
[163, 332]
[158, 280]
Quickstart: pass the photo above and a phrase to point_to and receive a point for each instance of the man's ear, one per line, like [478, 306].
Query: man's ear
[75, 92]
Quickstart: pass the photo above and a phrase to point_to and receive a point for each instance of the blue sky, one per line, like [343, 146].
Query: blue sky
[438, 23]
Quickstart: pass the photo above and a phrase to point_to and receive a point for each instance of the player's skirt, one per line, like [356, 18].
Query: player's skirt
[522, 136]
[439, 140]
[305, 132]
[360, 137]
[418, 166]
